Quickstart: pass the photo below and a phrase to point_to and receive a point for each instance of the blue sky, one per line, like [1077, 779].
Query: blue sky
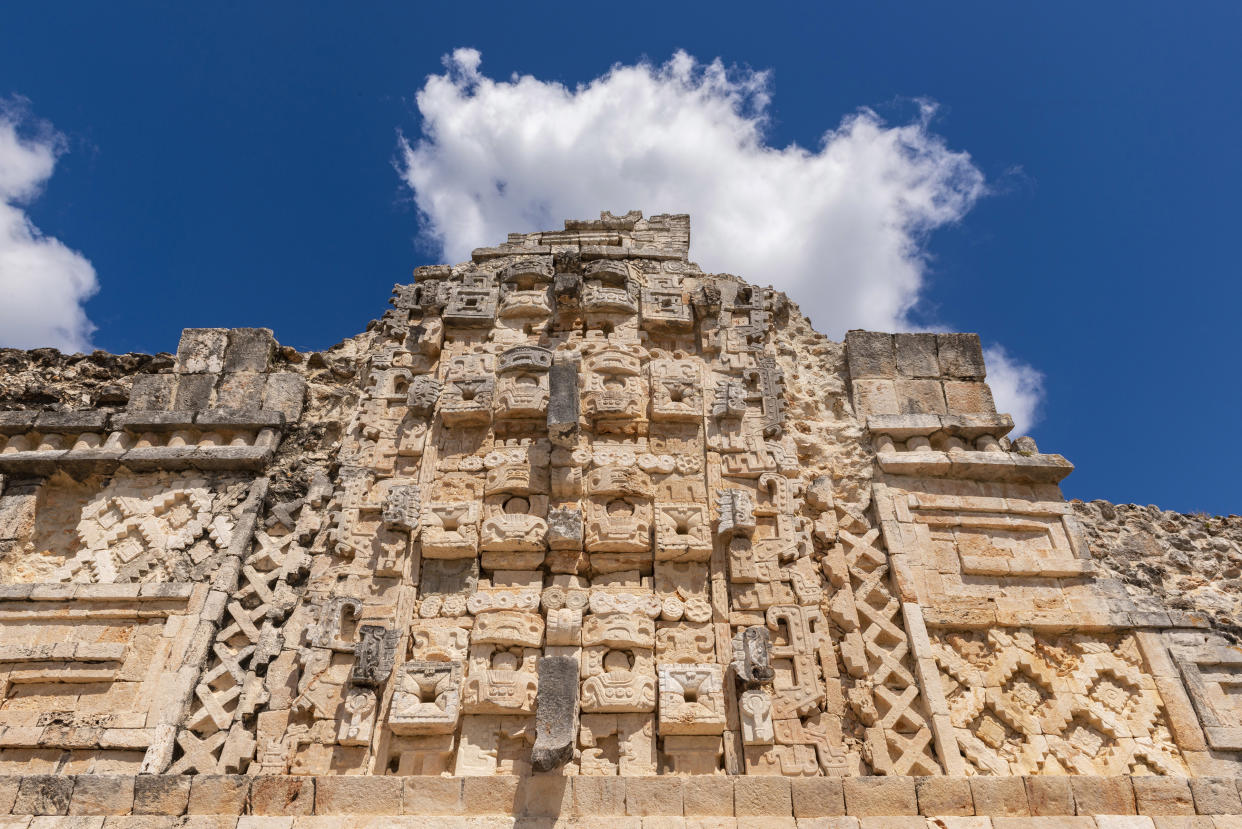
[1072, 197]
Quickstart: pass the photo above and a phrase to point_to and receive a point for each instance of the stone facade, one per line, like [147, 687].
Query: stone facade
[575, 510]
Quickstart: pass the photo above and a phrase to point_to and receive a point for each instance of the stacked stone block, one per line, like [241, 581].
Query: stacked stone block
[598, 533]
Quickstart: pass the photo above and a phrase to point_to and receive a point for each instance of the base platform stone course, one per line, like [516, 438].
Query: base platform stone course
[344, 802]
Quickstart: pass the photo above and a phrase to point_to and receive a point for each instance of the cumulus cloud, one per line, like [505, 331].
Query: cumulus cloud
[43, 283]
[1017, 387]
[841, 228]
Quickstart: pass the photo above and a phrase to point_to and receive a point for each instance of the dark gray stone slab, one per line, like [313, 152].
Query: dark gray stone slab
[556, 713]
[563, 404]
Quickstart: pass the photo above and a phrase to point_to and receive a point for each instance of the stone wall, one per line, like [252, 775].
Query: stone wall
[1166, 559]
[577, 511]
[585, 802]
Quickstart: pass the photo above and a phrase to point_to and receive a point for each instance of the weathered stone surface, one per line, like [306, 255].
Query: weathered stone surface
[43, 794]
[916, 355]
[249, 349]
[653, 796]
[104, 794]
[556, 713]
[945, 796]
[871, 355]
[281, 795]
[999, 796]
[359, 795]
[784, 579]
[960, 356]
[161, 794]
[1103, 795]
[1049, 795]
[218, 794]
[1163, 796]
[880, 796]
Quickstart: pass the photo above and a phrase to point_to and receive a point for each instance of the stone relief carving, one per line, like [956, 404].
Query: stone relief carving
[584, 508]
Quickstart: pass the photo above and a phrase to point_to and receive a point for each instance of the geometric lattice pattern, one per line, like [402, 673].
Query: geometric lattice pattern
[899, 736]
[148, 529]
[1024, 703]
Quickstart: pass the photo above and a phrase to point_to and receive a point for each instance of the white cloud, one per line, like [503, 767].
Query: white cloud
[1017, 388]
[42, 282]
[841, 229]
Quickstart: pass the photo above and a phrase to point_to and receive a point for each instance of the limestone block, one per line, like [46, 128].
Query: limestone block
[1049, 795]
[1124, 822]
[508, 627]
[919, 397]
[960, 356]
[427, 698]
[9, 785]
[545, 795]
[563, 404]
[284, 393]
[757, 796]
[43, 794]
[522, 386]
[618, 679]
[166, 822]
[1103, 795]
[423, 795]
[598, 796]
[500, 681]
[193, 392]
[880, 796]
[752, 657]
[968, 397]
[817, 797]
[374, 655]
[944, 796]
[1162, 796]
[691, 699]
[1216, 796]
[76, 822]
[682, 532]
[870, 354]
[102, 794]
[564, 529]
[161, 794]
[281, 795]
[875, 397]
[916, 355]
[490, 795]
[17, 512]
[708, 795]
[450, 529]
[755, 712]
[999, 796]
[218, 794]
[249, 349]
[349, 795]
[201, 350]
[238, 390]
[693, 755]
[653, 795]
